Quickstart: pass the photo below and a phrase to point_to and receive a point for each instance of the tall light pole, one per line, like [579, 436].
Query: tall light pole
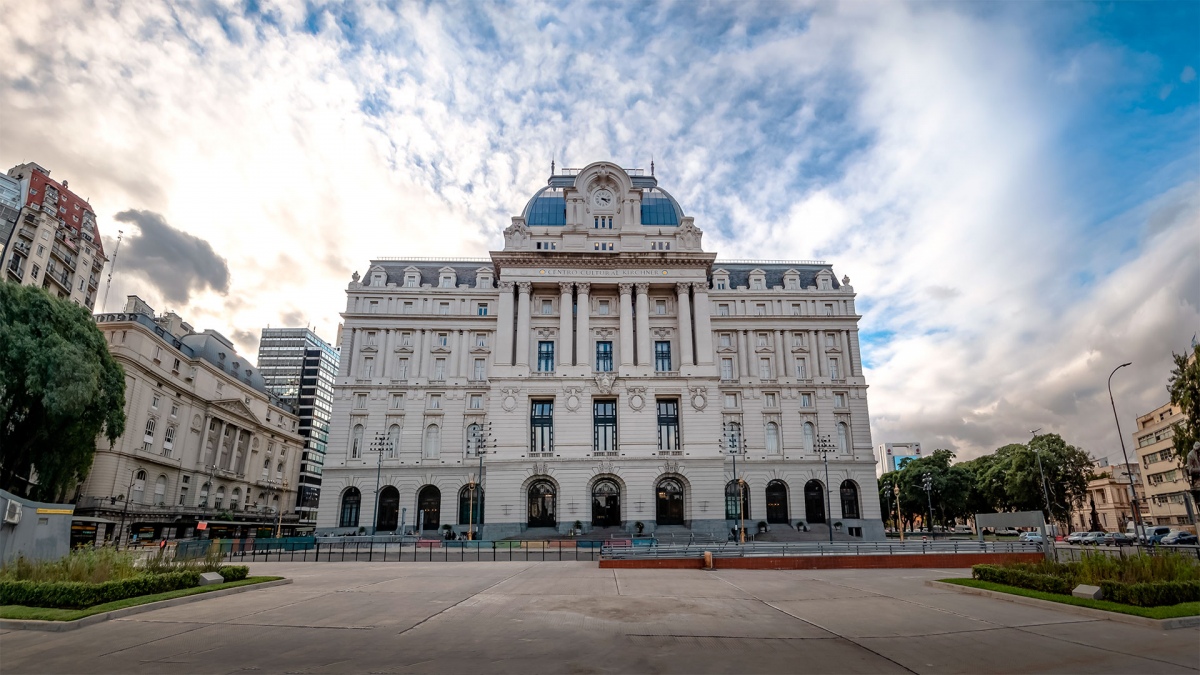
[927, 483]
[825, 446]
[479, 444]
[1038, 453]
[899, 516]
[733, 444]
[378, 445]
[128, 498]
[1137, 516]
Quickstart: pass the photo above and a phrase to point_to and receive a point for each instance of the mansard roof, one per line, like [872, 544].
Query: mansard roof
[739, 273]
[465, 270]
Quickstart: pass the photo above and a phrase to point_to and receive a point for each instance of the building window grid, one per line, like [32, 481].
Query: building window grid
[541, 423]
[604, 428]
[604, 357]
[662, 356]
[545, 362]
[668, 427]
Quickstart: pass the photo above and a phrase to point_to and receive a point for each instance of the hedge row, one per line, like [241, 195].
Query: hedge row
[1152, 594]
[1020, 578]
[79, 595]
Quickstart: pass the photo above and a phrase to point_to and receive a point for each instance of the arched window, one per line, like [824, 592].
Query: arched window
[139, 486]
[606, 503]
[777, 502]
[351, 502]
[356, 442]
[772, 438]
[842, 433]
[849, 492]
[389, 510]
[669, 502]
[470, 504]
[543, 501]
[814, 502]
[731, 501]
[160, 490]
[429, 507]
[220, 497]
[810, 434]
[279, 470]
[393, 442]
[433, 441]
[235, 499]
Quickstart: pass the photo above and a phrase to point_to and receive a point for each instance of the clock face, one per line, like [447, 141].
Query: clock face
[602, 199]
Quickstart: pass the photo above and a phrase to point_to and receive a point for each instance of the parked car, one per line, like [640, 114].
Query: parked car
[1179, 539]
[1032, 537]
[1092, 538]
[1074, 537]
[1155, 533]
[1117, 539]
[1007, 532]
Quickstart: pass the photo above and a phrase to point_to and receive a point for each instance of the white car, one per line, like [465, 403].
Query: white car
[1033, 537]
[1007, 532]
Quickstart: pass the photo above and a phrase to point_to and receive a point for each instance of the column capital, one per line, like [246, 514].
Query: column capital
[625, 289]
[642, 288]
[524, 287]
[505, 286]
[700, 286]
[583, 287]
[682, 287]
[565, 287]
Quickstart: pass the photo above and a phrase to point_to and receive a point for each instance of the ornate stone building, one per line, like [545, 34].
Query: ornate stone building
[610, 369]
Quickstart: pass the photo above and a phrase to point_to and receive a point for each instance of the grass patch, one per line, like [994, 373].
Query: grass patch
[1164, 612]
[50, 614]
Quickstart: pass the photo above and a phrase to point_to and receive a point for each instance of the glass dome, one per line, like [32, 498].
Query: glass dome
[660, 208]
[547, 208]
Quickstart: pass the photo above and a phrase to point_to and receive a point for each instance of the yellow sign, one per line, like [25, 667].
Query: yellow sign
[65, 512]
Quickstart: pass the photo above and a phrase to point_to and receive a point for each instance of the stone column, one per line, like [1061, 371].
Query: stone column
[704, 346]
[460, 355]
[504, 326]
[684, 298]
[626, 324]
[523, 290]
[743, 356]
[857, 349]
[847, 361]
[817, 351]
[424, 342]
[779, 352]
[565, 338]
[385, 353]
[583, 346]
[347, 351]
[202, 454]
[644, 357]
[789, 359]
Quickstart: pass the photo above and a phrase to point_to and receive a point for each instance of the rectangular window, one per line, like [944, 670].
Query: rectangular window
[541, 423]
[760, 309]
[447, 282]
[726, 340]
[443, 308]
[731, 400]
[805, 400]
[406, 339]
[668, 426]
[402, 369]
[830, 339]
[174, 410]
[410, 281]
[175, 366]
[371, 338]
[770, 400]
[721, 285]
[764, 369]
[435, 402]
[368, 366]
[662, 356]
[604, 357]
[183, 494]
[481, 339]
[761, 340]
[722, 310]
[476, 401]
[797, 339]
[397, 401]
[801, 369]
[839, 400]
[547, 307]
[603, 308]
[408, 307]
[545, 356]
[604, 427]
[481, 309]
[480, 372]
[834, 371]
[660, 307]
[154, 401]
[726, 369]
[795, 309]
[360, 401]
[373, 307]
[443, 339]
[439, 369]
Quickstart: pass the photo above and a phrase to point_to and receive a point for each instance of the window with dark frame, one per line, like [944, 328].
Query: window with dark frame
[604, 357]
[668, 426]
[541, 424]
[604, 427]
[545, 357]
[662, 356]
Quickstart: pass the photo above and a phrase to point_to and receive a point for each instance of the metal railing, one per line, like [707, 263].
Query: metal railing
[790, 549]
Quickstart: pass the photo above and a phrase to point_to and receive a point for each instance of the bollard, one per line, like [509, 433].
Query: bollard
[708, 560]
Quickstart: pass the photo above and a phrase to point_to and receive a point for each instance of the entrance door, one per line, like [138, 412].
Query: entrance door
[814, 502]
[606, 504]
[429, 503]
[669, 502]
[542, 504]
[389, 510]
[777, 502]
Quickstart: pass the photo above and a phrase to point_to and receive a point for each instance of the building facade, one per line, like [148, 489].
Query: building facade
[203, 441]
[1164, 482]
[55, 243]
[299, 368]
[895, 455]
[1109, 494]
[609, 369]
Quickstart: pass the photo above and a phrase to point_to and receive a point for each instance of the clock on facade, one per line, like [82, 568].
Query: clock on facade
[602, 199]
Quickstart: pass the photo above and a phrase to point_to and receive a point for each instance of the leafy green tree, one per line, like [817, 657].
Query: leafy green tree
[1184, 387]
[59, 390]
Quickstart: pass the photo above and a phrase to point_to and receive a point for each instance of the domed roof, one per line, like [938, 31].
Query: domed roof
[548, 207]
[659, 207]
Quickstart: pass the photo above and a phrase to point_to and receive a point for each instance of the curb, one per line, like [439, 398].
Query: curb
[61, 626]
[1161, 624]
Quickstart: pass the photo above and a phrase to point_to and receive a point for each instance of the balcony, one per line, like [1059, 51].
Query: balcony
[93, 281]
[66, 257]
[22, 248]
[60, 277]
[15, 268]
[27, 233]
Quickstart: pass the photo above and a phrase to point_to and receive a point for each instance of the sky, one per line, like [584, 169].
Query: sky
[1012, 187]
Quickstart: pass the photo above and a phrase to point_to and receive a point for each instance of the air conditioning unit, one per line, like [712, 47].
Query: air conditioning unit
[12, 513]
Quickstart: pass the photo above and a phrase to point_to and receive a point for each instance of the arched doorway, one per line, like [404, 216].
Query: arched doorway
[777, 502]
[351, 500]
[849, 492]
[470, 505]
[814, 501]
[606, 503]
[389, 510]
[429, 507]
[669, 502]
[542, 504]
[731, 501]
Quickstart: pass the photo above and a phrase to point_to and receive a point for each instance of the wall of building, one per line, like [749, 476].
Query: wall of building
[42, 533]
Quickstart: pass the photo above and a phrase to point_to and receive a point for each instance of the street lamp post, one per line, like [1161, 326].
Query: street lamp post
[899, 516]
[733, 443]
[1137, 516]
[1045, 492]
[378, 445]
[479, 444]
[927, 483]
[278, 487]
[825, 446]
[125, 511]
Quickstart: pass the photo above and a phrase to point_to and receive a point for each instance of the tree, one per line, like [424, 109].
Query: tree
[59, 390]
[1184, 387]
[1010, 479]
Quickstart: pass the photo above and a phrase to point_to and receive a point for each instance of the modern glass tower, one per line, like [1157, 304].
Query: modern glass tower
[300, 367]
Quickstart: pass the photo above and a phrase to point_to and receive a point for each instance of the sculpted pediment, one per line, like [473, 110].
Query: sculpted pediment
[238, 409]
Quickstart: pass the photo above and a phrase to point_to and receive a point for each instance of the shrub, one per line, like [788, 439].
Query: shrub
[1021, 578]
[78, 595]
[1152, 594]
[213, 558]
[234, 572]
[89, 565]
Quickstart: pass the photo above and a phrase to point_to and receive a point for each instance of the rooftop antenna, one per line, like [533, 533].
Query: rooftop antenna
[552, 167]
[111, 269]
[651, 165]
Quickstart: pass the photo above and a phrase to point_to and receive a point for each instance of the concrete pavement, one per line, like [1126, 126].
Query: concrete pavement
[527, 617]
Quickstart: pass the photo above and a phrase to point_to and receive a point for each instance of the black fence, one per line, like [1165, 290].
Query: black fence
[366, 549]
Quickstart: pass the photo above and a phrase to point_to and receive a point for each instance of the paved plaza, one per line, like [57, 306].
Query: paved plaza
[569, 617]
